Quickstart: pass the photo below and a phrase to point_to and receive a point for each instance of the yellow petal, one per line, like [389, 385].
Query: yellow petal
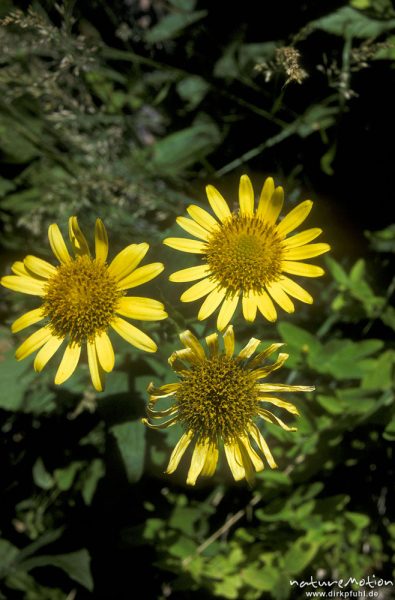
[190, 341]
[291, 408]
[249, 349]
[265, 371]
[26, 285]
[249, 305]
[229, 340]
[193, 228]
[58, 246]
[271, 418]
[190, 274]
[302, 238]
[265, 198]
[246, 196]
[275, 205]
[178, 359]
[97, 374]
[261, 356]
[308, 251]
[140, 276]
[266, 307]
[134, 336]
[210, 463]
[142, 309]
[185, 245]
[19, 269]
[252, 455]
[159, 414]
[227, 311]
[235, 460]
[218, 203]
[29, 318]
[294, 218]
[77, 238]
[277, 293]
[211, 303]
[179, 451]
[164, 425]
[281, 387]
[101, 241]
[294, 289]
[302, 269]
[68, 363]
[212, 344]
[47, 352]
[198, 290]
[163, 391]
[203, 218]
[262, 445]
[127, 260]
[33, 343]
[40, 267]
[105, 352]
[248, 464]
[198, 459]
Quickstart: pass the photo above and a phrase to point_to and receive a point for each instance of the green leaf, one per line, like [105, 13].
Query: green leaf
[383, 240]
[6, 186]
[64, 477]
[298, 339]
[13, 143]
[8, 554]
[228, 587]
[337, 271]
[173, 25]
[250, 54]
[300, 555]
[90, 479]
[331, 404]
[183, 148]
[41, 477]
[389, 432]
[75, 564]
[192, 89]
[380, 376]
[359, 520]
[347, 22]
[343, 358]
[260, 578]
[183, 4]
[15, 377]
[130, 439]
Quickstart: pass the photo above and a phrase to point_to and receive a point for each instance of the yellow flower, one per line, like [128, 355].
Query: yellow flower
[216, 401]
[81, 299]
[246, 254]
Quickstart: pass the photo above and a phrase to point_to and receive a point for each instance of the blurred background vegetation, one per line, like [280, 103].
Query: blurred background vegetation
[125, 110]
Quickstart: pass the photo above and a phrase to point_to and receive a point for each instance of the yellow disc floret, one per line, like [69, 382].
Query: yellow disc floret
[245, 254]
[217, 398]
[81, 299]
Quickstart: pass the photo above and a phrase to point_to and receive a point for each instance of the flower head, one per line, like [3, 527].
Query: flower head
[246, 254]
[217, 399]
[82, 299]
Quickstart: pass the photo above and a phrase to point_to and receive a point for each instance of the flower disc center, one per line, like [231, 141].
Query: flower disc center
[245, 254]
[81, 299]
[217, 398]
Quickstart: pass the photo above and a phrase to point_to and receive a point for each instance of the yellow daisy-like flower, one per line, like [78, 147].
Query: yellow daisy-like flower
[81, 299]
[246, 254]
[216, 401]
